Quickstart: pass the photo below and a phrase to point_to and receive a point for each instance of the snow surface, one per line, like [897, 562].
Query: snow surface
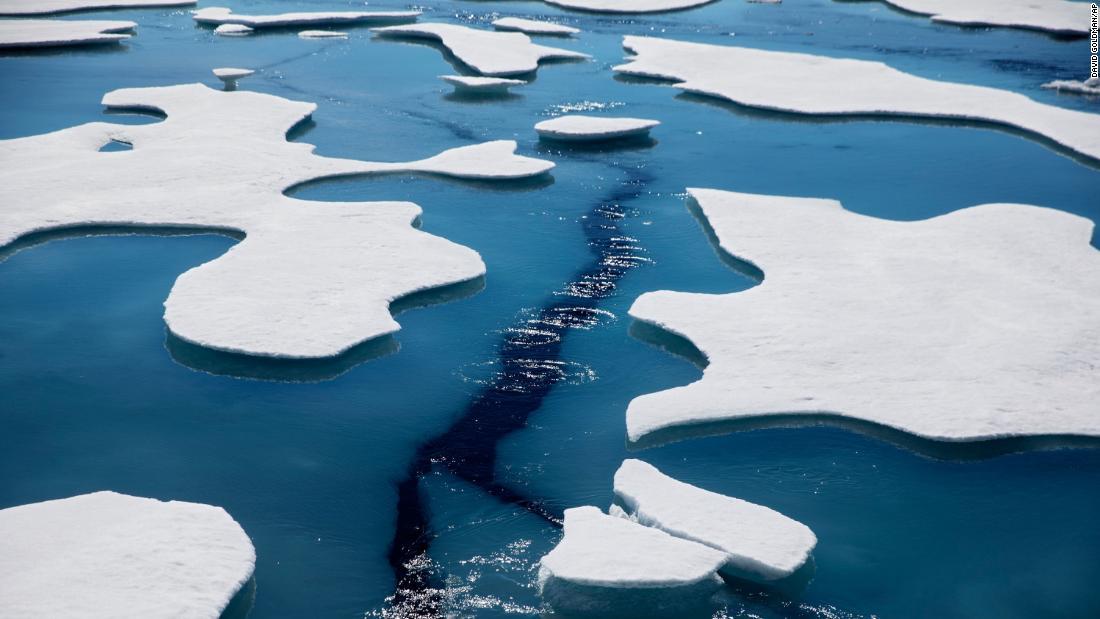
[531, 26]
[600, 555]
[1056, 16]
[628, 6]
[233, 30]
[322, 34]
[978, 324]
[487, 52]
[484, 85]
[46, 7]
[311, 279]
[1090, 86]
[232, 74]
[759, 543]
[809, 84]
[222, 15]
[577, 127]
[61, 32]
[111, 555]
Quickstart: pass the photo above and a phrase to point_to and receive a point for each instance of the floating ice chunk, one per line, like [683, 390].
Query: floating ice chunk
[481, 85]
[487, 52]
[111, 555]
[229, 76]
[604, 563]
[233, 30]
[322, 34]
[221, 161]
[578, 128]
[1055, 16]
[982, 323]
[809, 84]
[221, 15]
[46, 7]
[1090, 86]
[531, 26]
[61, 32]
[759, 543]
[628, 6]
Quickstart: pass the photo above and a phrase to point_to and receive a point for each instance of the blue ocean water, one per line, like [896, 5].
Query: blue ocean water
[92, 398]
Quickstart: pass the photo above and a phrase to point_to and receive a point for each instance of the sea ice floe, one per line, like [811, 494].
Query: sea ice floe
[809, 84]
[62, 32]
[112, 555]
[531, 26]
[759, 543]
[233, 30]
[605, 563]
[1056, 16]
[481, 85]
[230, 75]
[979, 324]
[580, 128]
[311, 279]
[490, 53]
[322, 34]
[221, 15]
[46, 7]
[628, 6]
[1090, 86]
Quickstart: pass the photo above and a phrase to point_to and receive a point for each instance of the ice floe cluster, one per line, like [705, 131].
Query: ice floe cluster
[112, 555]
[62, 32]
[1055, 16]
[221, 161]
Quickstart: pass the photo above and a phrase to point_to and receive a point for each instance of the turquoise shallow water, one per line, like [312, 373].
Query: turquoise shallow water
[93, 400]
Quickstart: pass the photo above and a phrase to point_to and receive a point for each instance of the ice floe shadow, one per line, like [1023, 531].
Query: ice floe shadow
[240, 606]
[273, 369]
[530, 183]
[34, 239]
[481, 97]
[552, 146]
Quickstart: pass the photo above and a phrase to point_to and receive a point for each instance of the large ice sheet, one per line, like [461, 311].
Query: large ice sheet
[217, 15]
[1056, 16]
[809, 84]
[112, 555]
[47, 7]
[759, 542]
[62, 32]
[531, 26]
[311, 279]
[488, 52]
[982, 323]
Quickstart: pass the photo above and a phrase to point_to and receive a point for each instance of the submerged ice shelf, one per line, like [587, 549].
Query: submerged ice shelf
[112, 555]
[809, 84]
[221, 161]
[47, 7]
[979, 324]
[62, 32]
[1055, 16]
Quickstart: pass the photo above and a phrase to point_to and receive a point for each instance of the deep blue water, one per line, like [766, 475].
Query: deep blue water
[90, 398]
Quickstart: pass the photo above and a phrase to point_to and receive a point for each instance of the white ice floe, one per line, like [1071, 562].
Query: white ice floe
[580, 128]
[1090, 86]
[221, 15]
[112, 555]
[628, 6]
[759, 543]
[230, 75]
[487, 52]
[982, 323]
[603, 562]
[46, 7]
[809, 84]
[322, 34]
[481, 85]
[233, 30]
[531, 26]
[61, 32]
[1056, 16]
[311, 279]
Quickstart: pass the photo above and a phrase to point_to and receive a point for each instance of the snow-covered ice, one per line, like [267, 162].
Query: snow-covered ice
[605, 562]
[982, 323]
[221, 15]
[230, 75]
[233, 30]
[580, 128]
[112, 555]
[62, 32]
[809, 84]
[322, 34]
[47, 7]
[221, 161]
[531, 26]
[481, 85]
[759, 543]
[488, 52]
[628, 6]
[1090, 86]
[1055, 16]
